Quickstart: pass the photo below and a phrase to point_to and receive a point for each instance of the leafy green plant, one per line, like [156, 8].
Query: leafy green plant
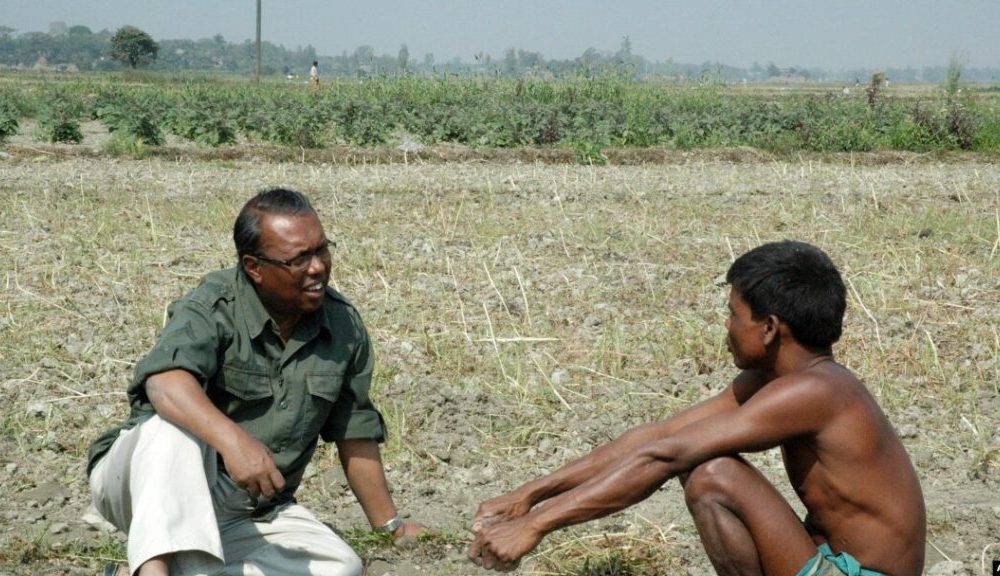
[136, 115]
[8, 119]
[363, 122]
[294, 122]
[987, 137]
[59, 118]
[205, 116]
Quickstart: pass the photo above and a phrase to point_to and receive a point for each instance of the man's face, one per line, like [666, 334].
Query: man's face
[285, 292]
[745, 336]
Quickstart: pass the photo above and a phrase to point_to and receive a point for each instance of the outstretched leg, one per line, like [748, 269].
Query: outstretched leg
[746, 526]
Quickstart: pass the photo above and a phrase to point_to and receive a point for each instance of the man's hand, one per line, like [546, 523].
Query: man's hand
[500, 509]
[412, 529]
[179, 398]
[251, 465]
[501, 545]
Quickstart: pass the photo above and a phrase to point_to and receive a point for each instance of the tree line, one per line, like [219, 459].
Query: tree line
[78, 48]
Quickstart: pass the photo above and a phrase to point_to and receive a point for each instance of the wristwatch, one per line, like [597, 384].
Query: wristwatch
[391, 526]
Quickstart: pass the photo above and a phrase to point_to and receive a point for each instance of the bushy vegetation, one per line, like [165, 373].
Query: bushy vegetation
[59, 117]
[585, 115]
[138, 115]
[8, 119]
[204, 115]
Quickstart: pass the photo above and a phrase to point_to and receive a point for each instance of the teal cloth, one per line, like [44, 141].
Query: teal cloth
[847, 564]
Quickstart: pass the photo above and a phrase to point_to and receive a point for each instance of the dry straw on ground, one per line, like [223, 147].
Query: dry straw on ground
[522, 313]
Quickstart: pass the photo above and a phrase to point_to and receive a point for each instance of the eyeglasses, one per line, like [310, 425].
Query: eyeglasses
[301, 262]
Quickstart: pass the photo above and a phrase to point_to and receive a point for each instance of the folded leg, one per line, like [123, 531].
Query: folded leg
[745, 524]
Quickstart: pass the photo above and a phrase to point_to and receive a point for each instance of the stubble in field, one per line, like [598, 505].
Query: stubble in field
[522, 313]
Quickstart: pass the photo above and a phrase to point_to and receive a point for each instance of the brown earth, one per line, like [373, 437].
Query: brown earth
[624, 306]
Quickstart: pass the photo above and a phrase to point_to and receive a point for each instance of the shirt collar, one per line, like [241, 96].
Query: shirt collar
[257, 317]
[252, 309]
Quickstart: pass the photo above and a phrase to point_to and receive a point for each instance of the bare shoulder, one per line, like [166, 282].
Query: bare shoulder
[827, 381]
[796, 389]
[809, 401]
[841, 387]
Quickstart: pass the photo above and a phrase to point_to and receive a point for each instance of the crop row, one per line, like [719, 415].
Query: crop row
[587, 115]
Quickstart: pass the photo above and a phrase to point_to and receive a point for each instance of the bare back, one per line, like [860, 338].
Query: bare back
[857, 481]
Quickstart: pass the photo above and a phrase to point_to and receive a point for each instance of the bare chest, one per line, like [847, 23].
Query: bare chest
[805, 474]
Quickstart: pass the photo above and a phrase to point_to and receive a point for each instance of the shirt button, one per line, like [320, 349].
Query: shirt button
[283, 404]
[277, 448]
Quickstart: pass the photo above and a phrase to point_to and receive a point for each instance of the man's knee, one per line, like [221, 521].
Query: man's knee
[347, 564]
[353, 566]
[712, 481]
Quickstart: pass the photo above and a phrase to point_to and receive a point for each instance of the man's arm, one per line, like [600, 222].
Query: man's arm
[178, 398]
[785, 409]
[363, 468]
[607, 457]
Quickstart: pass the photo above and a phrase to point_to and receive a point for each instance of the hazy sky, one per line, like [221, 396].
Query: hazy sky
[832, 34]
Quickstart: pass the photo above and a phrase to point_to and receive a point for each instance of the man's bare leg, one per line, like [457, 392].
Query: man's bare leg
[746, 526]
[156, 566]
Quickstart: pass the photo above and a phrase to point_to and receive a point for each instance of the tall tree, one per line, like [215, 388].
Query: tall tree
[403, 60]
[625, 51]
[133, 47]
[80, 31]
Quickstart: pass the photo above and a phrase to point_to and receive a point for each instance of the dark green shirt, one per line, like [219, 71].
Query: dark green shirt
[287, 395]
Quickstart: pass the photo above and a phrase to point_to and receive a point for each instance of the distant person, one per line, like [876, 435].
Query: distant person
[254, 366]
[843, 458]
[314, 76]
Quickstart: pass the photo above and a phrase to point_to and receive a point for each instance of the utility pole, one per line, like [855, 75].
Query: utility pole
[258, 41]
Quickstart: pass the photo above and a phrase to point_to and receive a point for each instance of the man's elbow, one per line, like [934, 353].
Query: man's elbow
[161, 386]
[154, 390]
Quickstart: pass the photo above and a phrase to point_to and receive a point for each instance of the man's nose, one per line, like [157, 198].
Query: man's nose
[317, 264]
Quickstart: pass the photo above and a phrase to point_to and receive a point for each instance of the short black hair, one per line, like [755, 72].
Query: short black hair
[246, 230]
[798, 283]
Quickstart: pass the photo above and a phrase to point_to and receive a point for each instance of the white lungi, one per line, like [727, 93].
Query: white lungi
[161, 486]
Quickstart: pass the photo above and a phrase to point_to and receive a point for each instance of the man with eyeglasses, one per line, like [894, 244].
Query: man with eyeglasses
[253, 367]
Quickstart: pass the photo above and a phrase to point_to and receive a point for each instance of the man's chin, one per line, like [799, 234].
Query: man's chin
[308, 305]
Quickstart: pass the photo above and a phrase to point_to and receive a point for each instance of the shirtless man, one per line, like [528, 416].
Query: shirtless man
[842, 456]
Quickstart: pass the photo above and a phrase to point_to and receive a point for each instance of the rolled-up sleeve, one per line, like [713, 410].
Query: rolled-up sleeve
[189, 341]
[354, 414]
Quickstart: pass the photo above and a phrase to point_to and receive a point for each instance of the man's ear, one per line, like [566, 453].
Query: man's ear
[252, 267]
[772, 329]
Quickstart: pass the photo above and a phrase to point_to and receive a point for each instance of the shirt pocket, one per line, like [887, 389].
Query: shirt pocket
[324, 390]
[325, 385]
[246, 385]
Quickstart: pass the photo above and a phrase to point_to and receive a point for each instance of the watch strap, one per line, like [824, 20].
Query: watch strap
[391, 526]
